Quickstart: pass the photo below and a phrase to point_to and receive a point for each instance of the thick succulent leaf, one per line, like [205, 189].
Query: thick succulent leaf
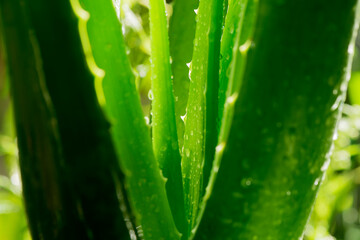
[200, 123]
[68, 164]
[164, 133]
[39, 147]
[284, 122]
[144, 182]
[238, 29]
[181, 35]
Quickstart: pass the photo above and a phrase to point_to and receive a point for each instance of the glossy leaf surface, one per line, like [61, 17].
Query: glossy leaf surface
[201, 113]
[181, 35]
[144, 181]
[284, 121]
[164, 132]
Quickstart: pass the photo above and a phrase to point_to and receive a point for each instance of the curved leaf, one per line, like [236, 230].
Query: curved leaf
[46, 54]
[284, 121]
[181, 35]
[143, 179]
[201, 113]
[164, 132]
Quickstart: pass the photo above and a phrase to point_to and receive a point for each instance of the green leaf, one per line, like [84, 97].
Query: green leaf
[212, 87]
[39, 146]
[200, 123]
[68, 165]
[164, 133]
[144, 182]
[238, 29]
[181, 35]
[284, 121]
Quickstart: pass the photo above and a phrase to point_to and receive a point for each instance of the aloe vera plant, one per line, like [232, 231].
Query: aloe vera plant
[246, 96]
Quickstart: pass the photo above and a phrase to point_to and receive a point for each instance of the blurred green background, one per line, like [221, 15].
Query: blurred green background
[336, 211]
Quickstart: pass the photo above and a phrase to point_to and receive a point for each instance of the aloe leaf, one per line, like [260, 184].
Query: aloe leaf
[201, 111]
[226, 7]
[89, 171]
[235, 45]
[235, 70]
[39, 169]
[212, 87]
[239, 23]
[144, 182]
[181, 36]
[284, 121]
[38, 140]
[164, 132]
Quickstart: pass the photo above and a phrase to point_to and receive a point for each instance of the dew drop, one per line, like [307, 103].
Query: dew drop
[335, 136]
[344, 84]
[150, 95]
[232, 99]
[246, 182]
[243, 48]
[347, 77]
[147, 120]
[220, 147]
[316, 183]
[326, 164]
[231, 30]
[187, 152]
[336, 103]
[351, 49]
